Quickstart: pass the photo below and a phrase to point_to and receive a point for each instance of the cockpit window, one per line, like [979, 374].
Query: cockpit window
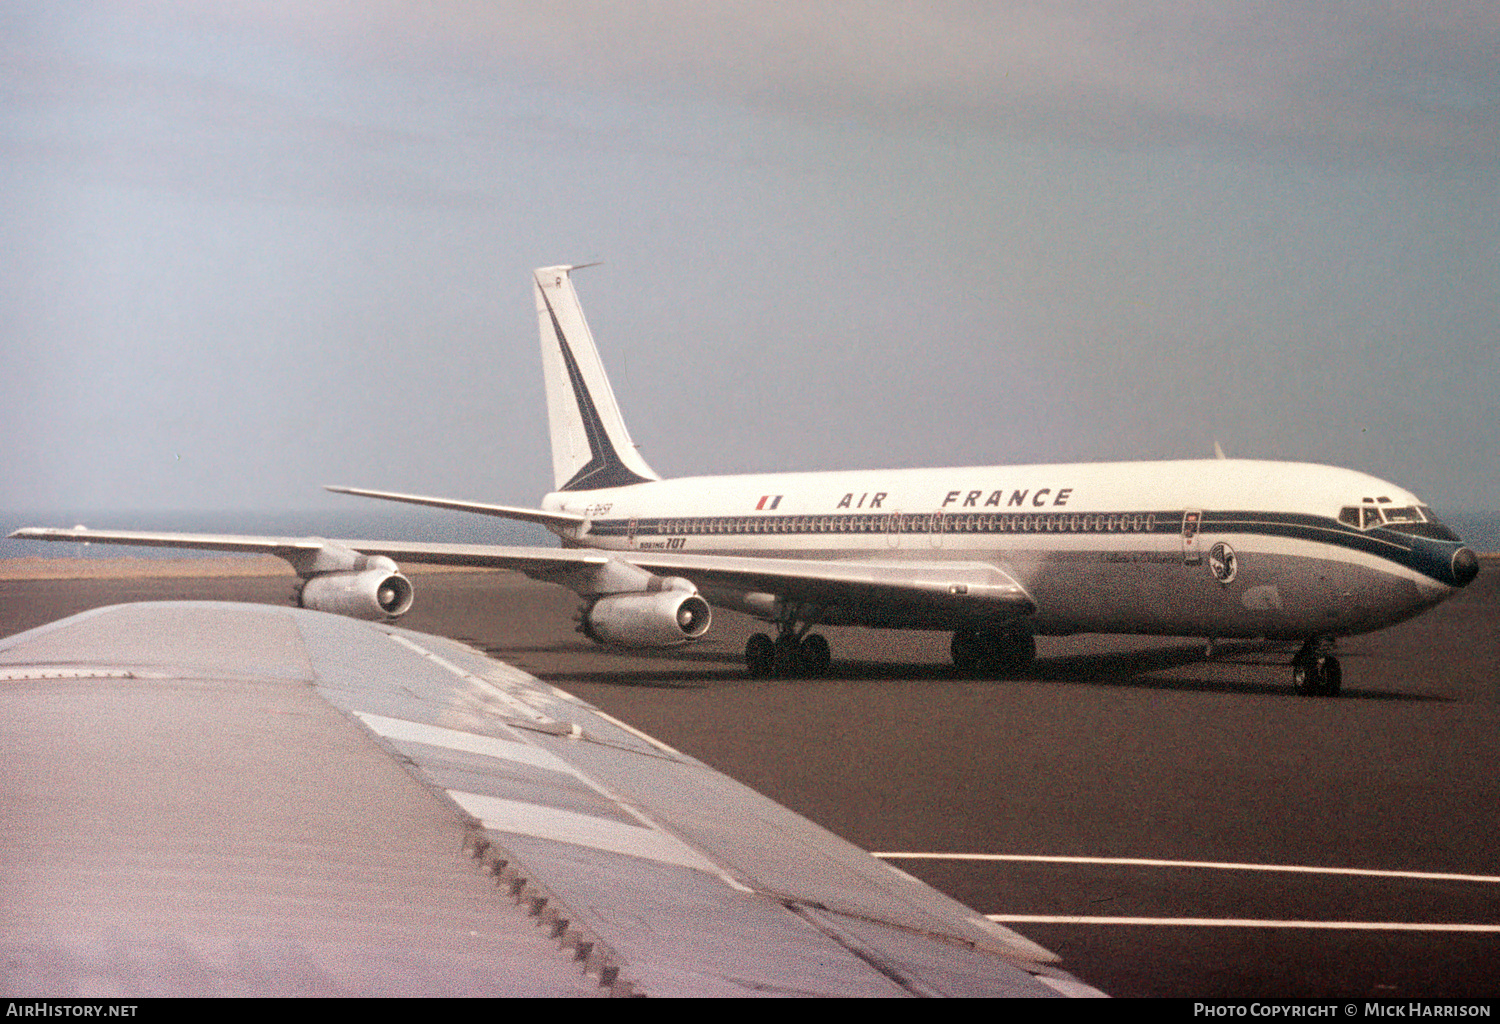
[1417, 520]
[1430, 526]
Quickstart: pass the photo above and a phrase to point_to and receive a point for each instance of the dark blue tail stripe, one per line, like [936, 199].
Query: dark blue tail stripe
[604, 468]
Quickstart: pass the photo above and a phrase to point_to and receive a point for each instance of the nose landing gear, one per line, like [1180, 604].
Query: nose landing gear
[1316, 673]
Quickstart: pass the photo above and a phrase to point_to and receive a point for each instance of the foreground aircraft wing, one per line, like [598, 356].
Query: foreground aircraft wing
[238, 799]
[825, 583]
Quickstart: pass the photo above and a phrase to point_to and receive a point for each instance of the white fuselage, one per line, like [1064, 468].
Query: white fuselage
[1220, 548]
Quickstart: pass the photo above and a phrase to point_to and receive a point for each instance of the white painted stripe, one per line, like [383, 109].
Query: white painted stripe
[32, 672]
[1231, 922]
[403, 731]
[586, 830]
[651, 840]
[1431, 876]
[520, 707]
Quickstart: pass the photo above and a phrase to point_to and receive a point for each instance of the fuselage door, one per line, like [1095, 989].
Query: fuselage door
[1192, 539]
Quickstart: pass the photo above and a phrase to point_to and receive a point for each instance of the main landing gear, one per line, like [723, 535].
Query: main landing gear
[1315, 672]
[995, 650]
[790, 655]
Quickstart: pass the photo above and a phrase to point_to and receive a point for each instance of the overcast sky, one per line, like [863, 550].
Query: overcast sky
[252, 248]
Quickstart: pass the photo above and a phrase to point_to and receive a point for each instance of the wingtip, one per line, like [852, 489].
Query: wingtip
[45, 532]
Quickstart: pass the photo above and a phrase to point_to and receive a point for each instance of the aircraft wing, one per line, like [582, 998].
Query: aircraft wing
[542, 563]
[237, 799]
[830, 583]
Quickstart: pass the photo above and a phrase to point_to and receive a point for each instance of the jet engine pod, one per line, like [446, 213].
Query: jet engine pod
[373, 594]
[662, 619]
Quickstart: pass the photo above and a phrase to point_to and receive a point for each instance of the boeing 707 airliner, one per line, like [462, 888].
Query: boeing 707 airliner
[996, 555]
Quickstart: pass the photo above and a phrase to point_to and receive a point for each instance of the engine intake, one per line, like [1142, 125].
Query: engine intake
[373, 594]
[666, 618]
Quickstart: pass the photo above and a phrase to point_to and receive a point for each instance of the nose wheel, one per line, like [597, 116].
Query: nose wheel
[1315, 673]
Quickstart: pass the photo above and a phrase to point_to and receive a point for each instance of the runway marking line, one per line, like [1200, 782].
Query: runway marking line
[1212, 922]
[1230, 922]
[1431, 876]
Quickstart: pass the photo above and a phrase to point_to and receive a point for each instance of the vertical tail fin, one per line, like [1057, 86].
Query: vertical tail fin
[590, 446]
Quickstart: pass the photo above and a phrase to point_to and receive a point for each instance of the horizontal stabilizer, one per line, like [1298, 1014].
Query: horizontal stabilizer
[526, 515]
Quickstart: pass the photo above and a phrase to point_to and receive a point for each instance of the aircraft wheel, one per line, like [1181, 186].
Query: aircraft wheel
[996, 652]
[1305, 676]
[787, 658]
[1333, 677]
[1009, 652]
[1317, 675]
[815, 655]
[760, 656]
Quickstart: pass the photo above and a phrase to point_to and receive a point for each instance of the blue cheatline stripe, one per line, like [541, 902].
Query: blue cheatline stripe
[1386, 544]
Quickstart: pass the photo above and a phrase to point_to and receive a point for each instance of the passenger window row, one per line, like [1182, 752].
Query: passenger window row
[897, 522]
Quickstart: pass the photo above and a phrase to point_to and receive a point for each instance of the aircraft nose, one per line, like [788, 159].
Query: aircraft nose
[1465, 567]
